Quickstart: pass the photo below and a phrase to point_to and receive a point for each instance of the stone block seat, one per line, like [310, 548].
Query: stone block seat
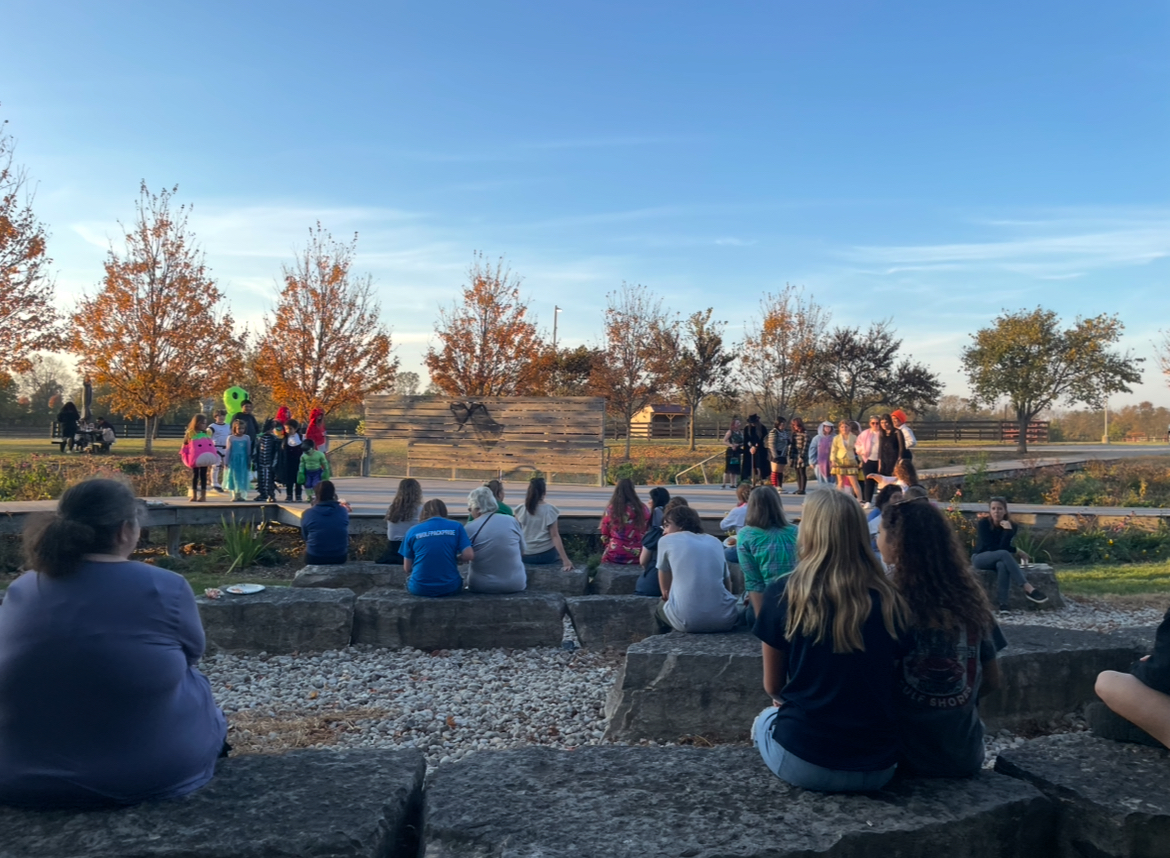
[1112, 799]
[678, 684]
[397, 619]
[603, 621]
[660, 802]
[361, 576]
[552, 578]
[279, 620]
[616, 579]
[1039, 575]
[358, 804]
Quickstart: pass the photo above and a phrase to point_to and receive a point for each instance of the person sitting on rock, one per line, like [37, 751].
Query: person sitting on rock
[660, 500]
[1136, 705]
[432, 551]
[766, 544]
[325, 528]
[623, 525]
[831, 636]
[950, 665]
[101, 699]
[734, 520]
[994, 549]
[498, 544]
[693, 577]
[497, 487]
[401, 516]
[538, 520]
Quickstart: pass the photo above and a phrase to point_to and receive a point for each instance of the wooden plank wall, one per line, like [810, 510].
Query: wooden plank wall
[556, 435]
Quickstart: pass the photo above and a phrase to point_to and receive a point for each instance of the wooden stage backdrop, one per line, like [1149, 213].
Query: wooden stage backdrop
[505, 436]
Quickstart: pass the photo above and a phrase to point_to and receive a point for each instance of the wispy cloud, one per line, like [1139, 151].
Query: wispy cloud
[734, 242]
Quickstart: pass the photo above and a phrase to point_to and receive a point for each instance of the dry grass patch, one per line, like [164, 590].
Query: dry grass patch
[250, 732]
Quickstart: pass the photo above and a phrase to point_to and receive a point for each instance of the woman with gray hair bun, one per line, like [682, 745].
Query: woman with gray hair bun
[498, 566]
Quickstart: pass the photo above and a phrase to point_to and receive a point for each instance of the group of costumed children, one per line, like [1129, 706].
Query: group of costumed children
[239, 450]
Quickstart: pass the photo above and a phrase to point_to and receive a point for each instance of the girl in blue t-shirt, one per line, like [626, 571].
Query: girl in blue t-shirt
[831, 634]
[433, 550]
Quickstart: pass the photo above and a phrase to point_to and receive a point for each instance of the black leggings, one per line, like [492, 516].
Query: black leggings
[199, 479]
[801, 478]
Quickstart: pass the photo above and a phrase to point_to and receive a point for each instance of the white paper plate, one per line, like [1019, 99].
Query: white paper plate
[243, 589]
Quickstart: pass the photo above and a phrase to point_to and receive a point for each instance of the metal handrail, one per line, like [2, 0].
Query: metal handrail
[701, 465]
[366, 455]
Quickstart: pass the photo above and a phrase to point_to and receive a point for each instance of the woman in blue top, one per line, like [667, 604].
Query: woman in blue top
[100, 699]
[432, 552]
[832, 636]
[325, 528]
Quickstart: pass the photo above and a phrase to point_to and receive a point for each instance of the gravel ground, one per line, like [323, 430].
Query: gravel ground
[454, 702]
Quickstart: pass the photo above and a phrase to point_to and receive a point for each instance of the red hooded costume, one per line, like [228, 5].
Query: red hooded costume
[316, 430]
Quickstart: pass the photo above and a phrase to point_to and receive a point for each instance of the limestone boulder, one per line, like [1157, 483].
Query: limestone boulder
[279, 620]
[678, 684]
[358, 804]
[700, 803]
[360, 577]
[397, 619]
[619, 621]
[1112, 799]
[1039, 575]
[552, 578]
[615, 579]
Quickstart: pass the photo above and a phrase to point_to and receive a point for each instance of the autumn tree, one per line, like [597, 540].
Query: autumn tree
[779, 351]
[635, 357]
[325, 345]
[700, 362]
[406, 384]
[29, 321]
[568, 371]
[155, 333]
[1026, 358]
[488, 344]
[856, 372]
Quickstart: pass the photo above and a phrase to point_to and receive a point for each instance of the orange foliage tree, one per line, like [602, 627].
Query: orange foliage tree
[29, 321]
[779, 351]
[635, 364]
[325, 345]
[154, 333]
[489, 347]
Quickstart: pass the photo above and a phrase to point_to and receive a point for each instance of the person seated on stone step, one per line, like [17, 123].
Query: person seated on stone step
[1136, 704]
[733, 521]
[831, 633]
[623, 525]
[325, 528]
[497, 487]
[403, 514]
[538, 520]
[498, 544]
[693, 577]
[647, 584]
[766, 544]
[994, 549]
[888, 495]
[433, 550]
[905, 475]
[101, 699]
[950, 665]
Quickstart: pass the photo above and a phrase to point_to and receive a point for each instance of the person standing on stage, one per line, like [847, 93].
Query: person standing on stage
[777, 442]
[755, 453]
[868, 447]
[733, 456]
[902, 424]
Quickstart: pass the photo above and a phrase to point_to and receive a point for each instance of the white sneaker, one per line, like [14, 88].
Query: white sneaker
[867, 506]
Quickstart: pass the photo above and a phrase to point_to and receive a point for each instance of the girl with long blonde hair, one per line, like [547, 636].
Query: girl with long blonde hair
[831, 634]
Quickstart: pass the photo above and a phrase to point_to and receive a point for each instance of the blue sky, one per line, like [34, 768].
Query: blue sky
[919, 161]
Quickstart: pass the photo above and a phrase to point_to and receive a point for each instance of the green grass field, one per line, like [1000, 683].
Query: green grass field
[1115, 579]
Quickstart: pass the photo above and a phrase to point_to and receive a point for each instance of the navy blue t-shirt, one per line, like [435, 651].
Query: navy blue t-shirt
[839, 709]
[433, 546]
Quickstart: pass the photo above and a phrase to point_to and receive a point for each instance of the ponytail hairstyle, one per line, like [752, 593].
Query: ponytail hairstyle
[906, 472]
[535, 494]
[88, 519]
[659, 496]
[198, 424]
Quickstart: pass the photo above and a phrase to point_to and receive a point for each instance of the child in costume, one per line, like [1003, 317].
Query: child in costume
[220, 432]
[198, 454]
[267, 453]
[239, 459]
[291, 452]
[315, 431]
[314, 468]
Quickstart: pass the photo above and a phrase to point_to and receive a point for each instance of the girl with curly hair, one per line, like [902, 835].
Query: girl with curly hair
[953, 641]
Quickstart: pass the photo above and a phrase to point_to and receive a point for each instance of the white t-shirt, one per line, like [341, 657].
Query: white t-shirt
[498, 544]
[219, 433]
[907, 435]
[535, 526]
[699, 601]
[735, 519]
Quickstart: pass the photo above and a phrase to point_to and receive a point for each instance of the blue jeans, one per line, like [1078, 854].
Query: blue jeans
[1006, 568]
[731, 553]
[543, 558]
[791, 768]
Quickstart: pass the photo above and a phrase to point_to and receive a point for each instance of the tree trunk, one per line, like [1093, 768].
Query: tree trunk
[148, 435]
[629, 423]
[691, 430]
[1022, 420]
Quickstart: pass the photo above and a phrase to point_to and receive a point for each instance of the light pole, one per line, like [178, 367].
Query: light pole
[1105, 437]
[556, 312]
